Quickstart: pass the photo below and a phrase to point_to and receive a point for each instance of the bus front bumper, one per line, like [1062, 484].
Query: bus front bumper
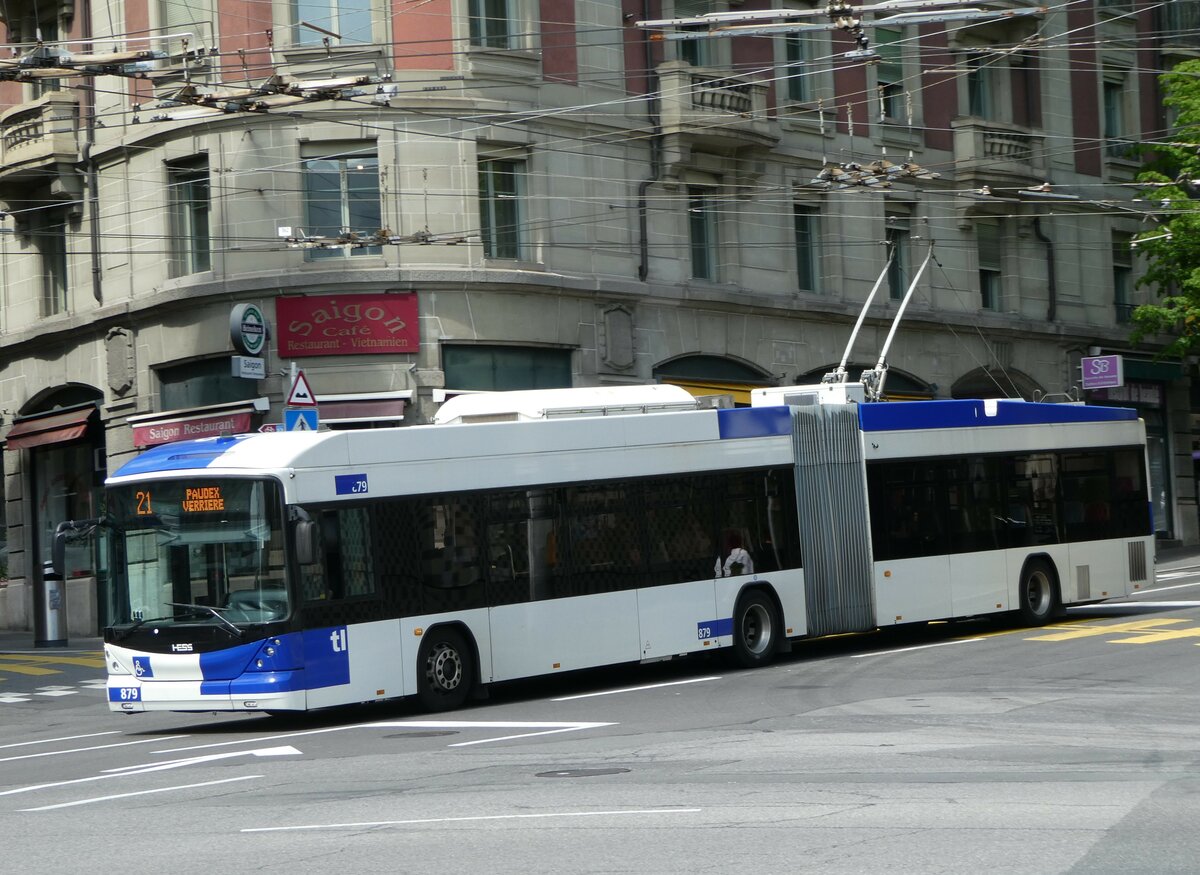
[257, 691]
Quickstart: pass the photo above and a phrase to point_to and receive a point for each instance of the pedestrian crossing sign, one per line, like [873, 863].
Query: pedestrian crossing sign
[304, 419]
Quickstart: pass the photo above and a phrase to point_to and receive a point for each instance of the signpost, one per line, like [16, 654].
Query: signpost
[300, 394]
[249, 331]
[301, 411]
[300, 419]
[1103, 372]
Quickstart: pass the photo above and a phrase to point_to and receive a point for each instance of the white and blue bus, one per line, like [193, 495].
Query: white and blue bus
[530, 534]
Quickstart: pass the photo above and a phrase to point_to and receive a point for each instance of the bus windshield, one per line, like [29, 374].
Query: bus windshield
[203, 550]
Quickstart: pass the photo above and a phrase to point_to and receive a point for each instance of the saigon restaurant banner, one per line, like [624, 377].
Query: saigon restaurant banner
[346, 324]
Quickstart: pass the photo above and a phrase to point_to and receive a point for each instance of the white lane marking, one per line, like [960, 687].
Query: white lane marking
[1155, 589]
[919, 647]
[157, 767]
[1119, 606]
[635, 689]
[283, 751]
[139, 793]
[474, 819]
[55, 753]
[553, 726]
[64, 738]
[575, 728]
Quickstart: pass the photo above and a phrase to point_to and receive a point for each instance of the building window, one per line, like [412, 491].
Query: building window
[200, 384]
[702, 233]
[807, 240]
[341, 197]
[48, 34]
[980, 88]
[501, 205]
[188, 194]
[889, 72]
[988, 245]
[500, 368]
[1116, 136]
[697, 52]
[341, 21]
[1122, 273]
[48, 228]
[797, 74]
[896, 237]
[490, 25]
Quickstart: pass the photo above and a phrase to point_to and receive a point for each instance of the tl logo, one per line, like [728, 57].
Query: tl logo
[338, 638]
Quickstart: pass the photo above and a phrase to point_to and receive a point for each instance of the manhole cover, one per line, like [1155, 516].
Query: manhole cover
[580, 773]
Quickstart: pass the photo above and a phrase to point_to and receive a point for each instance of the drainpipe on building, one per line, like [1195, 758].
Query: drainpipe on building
[1051, 279]
[93, 177]
[652, 87]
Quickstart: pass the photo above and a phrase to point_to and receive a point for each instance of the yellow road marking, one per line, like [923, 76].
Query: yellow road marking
[1096, 631]
[96, 661]
[26, 669]
[1156, 637]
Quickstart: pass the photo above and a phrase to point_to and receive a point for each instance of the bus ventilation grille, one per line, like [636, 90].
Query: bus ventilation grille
[1083, 581]
[1137, 561]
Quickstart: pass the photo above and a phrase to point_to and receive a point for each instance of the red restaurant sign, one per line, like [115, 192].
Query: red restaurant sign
[346, 324]
[154, 433]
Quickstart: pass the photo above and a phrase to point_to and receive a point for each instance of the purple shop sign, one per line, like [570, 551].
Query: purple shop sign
[1103, 372]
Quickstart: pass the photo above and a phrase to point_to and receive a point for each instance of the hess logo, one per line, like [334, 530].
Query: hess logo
[338, 639]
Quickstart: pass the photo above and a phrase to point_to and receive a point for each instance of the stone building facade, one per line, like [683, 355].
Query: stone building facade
[564, 202]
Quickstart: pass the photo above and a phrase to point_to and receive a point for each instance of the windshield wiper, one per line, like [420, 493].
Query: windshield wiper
[125, 633]
[216, 612]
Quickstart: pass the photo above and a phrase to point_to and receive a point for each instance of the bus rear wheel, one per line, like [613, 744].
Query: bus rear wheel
[1038, 593]
[445, 670]
[755, 630]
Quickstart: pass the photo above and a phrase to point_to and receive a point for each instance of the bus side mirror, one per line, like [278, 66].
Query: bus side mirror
[307, 539]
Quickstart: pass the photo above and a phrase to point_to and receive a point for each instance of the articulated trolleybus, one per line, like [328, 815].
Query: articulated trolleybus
[532, 533]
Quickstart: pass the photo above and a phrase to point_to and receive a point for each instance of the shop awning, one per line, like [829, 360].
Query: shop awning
[49, 428]
[378, 409]
[364, 407]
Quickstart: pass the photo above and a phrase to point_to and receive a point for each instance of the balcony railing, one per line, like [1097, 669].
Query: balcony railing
[708, 105]
[1124, 313]
[41, 132]
[993, 149]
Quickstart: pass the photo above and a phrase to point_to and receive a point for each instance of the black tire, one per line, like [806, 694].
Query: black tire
[755, 630]
[1038, 593]
[445, 670]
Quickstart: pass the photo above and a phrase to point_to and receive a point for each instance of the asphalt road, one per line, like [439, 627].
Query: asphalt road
[942, 748]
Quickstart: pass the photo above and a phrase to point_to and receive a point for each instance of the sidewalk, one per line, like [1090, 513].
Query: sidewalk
[1169, 557]
[19, 642]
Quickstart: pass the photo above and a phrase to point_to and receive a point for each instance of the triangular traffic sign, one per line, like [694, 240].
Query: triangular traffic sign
[301, 395]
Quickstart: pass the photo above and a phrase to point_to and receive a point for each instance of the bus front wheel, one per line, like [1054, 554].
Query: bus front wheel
[755, 630]
[445, 670]
[1038, 593]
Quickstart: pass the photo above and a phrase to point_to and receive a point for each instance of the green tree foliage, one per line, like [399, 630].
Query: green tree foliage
[1172, 249]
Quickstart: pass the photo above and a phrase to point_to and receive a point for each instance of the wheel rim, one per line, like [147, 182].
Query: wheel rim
[444, 668]
[756, 629]
[1038, 593]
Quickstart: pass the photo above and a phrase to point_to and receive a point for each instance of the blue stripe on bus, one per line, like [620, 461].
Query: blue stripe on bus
[228, 663]
[179, 456]
[714, 628]
[269, 682]
[750, 422]
[897, 416]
